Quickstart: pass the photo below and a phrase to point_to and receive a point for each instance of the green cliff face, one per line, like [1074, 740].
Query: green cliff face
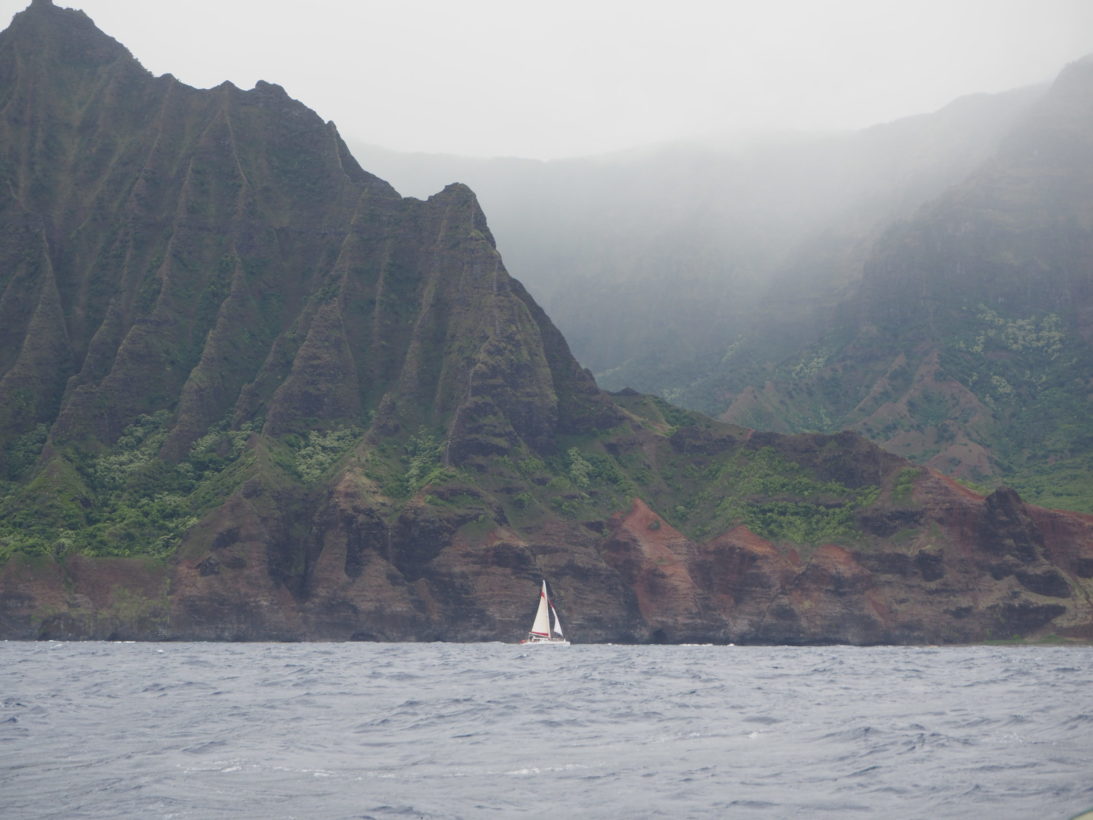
[181, 262]
[969, 343]
[925, 282]
[247, 391]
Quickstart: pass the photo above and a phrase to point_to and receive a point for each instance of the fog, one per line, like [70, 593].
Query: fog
[501, 78]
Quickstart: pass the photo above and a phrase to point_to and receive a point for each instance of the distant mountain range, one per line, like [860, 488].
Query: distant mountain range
[248, 391]
[924, 282]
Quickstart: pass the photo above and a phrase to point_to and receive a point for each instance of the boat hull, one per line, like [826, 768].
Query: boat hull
[544, 642]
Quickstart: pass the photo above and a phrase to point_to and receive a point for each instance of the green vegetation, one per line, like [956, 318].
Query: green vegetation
[315, 455]
[1042, 334]
[673, 415]
[580, 470]
[1013, 385]
[425, 452]
[22, 452]
[780, 500]
[126, 500]
[1033, 374]
[904, 483]
[1065, 484]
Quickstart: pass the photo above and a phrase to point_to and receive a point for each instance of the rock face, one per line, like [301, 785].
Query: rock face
[249, 392]
[221, 249]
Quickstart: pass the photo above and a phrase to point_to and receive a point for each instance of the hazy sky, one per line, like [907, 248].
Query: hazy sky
[571, 77]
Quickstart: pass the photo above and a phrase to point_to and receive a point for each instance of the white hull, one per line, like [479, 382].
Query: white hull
[545, 642]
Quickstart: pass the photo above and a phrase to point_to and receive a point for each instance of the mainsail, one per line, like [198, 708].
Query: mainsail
[541, 627]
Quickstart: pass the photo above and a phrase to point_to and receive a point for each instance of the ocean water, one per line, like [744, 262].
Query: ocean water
[97, 730]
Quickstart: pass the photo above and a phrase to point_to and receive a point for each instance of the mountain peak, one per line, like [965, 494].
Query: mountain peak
[67, 36]
[232, 195]
[1081, 65]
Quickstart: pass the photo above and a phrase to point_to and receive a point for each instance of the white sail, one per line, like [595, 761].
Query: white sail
[557, 622]
[541, 626]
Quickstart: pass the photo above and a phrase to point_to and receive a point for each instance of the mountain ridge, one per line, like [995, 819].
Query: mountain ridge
[250, 392]
[656, 304]
[966, 346]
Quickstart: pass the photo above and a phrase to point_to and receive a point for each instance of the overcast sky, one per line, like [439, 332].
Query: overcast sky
[575, 77]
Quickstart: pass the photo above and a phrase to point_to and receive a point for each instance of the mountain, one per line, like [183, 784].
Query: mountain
[654, 261]
[247, 391]
[967, 344]
[849, 281]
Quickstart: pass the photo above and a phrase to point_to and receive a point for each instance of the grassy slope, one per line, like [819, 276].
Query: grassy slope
[702, 476]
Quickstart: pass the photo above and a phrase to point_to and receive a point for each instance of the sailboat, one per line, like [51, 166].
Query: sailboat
[541, 631]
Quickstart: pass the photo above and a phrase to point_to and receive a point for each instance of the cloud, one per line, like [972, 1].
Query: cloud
[497, 77]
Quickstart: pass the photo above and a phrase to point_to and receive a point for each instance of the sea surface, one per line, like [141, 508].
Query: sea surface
[147, 730]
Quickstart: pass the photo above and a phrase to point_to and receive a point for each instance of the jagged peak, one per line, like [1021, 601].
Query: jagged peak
[39, 8]
[459, 196]
[75, 35]
[1075, 76]
[456, 191]
[271, 88]
[1058, 125]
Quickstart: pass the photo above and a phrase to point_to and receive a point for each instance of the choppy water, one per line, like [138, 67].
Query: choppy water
[492, 730]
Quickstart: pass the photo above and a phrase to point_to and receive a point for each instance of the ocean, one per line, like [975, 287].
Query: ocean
[361, 730]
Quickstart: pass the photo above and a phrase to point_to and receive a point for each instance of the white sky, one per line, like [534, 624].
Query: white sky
[573, 77]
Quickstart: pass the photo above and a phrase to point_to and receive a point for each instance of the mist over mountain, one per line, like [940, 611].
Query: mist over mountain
[651, 258]
[248, 391]
[725, 277]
